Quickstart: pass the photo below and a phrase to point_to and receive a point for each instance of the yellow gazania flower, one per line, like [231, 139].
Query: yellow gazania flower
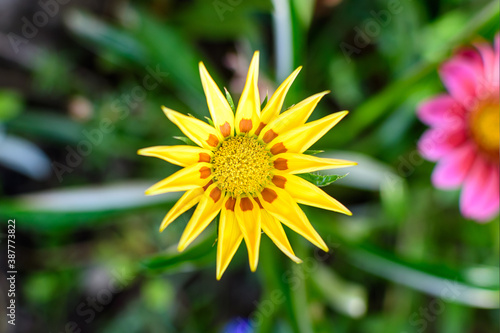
[245, 169]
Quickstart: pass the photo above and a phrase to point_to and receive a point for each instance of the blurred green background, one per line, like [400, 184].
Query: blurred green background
[81, 85]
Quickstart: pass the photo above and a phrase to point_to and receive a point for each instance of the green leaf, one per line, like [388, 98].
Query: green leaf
[313, 151]
[80, 206]
[210, 121]
[105, 39]
[47, 125]
[11, 104]
[229, 99]
[264, 102]
[436, 280]
[186, 140]
[344, 296]
[199, 254]
[24, 157]
[321, 180]
[286, 281]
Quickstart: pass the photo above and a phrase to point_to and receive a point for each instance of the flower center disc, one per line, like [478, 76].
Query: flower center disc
[485, 127]
[242, 166]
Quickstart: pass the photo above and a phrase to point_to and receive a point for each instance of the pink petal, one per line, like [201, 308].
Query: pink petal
[496, 62]
[472, 58]
[442, 110]
[491, 203]
[438, 142]
[479, 199]
[461, 78]
[489, 81]
[450, 171]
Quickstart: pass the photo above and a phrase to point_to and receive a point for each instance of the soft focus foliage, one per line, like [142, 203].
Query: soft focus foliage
[80, 93]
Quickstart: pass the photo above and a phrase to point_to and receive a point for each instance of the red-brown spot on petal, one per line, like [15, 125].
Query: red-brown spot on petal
[225, 129]
[208, 184]
[278, 148]
[258, 202]
[215, 194]
[269, 136]
[269, 195]
[261, 126]
[245, 125]
[279, 181]
[281, 164]
[246, 204]
[205, 172]
[204, 157]
[213, 140]
[230, 203]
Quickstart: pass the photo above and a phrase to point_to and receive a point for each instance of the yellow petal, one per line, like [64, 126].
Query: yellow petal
[273, 228]
[190, 177]
[295, 116]
[179, 155]
[275, 103]
[301, 138]
[208, 208]
[188, 200]
[221, 112]
[230, 236]
[248, 215]
[300, 163]
[248, 111]
[200, 132]
[308, 194]
[282, 206]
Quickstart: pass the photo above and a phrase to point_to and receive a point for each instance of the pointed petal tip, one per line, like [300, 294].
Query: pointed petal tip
[181, 247]
[164, 224]
[341, 114]
[296, 72]
[347, 163]
[203, 70]
[144, 151]
[168, 112]
[297, 260]
[253, 267]
[347, 212]
[255, 61]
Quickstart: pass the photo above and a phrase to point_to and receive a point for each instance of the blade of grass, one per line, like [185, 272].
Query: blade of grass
[436, 281]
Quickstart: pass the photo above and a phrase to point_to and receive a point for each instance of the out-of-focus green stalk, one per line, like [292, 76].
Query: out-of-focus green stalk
[285, 289]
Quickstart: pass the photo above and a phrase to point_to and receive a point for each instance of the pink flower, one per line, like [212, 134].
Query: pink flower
[464, 137]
